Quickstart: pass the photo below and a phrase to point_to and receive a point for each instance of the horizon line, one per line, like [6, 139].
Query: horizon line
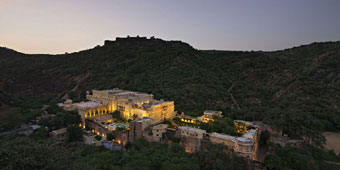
[153, 37]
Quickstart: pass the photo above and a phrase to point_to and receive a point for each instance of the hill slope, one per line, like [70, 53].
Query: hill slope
[301, 82]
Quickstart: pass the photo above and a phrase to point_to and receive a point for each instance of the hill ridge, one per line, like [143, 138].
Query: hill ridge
[303, 79]
[145, 39]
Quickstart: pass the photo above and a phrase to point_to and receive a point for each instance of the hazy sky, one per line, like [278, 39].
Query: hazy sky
[59, 26]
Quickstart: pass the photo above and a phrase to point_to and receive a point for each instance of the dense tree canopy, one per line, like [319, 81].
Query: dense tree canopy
[139, 155]
[74, 134]
[60, 120]
[117, 117]
[111, 136]
[220, 125]
[24, 153]
[214, 157]
[310, 158]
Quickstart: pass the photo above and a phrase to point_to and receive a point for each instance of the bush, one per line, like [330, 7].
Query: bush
[265, 136]
[74, 134]
[38, 134]
[98, 138]
[110, 136]
[290, 157]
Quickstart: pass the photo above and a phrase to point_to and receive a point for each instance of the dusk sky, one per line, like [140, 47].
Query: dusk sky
[59, 26]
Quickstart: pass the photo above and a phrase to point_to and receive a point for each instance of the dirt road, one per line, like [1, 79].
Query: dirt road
[333, 141]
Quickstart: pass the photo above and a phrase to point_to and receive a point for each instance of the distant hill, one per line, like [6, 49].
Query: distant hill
[245, 85]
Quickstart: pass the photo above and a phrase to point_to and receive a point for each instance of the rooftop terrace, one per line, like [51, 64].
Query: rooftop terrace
[222, 136]
[192, 129]
[88, 104]
[127, 94]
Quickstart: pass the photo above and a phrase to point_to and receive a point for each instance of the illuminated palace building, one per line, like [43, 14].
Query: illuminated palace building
[129, 103]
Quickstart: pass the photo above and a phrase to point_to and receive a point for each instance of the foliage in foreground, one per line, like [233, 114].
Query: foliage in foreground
[213, 156]
[25, 153]
[74, 134]
[310, 158]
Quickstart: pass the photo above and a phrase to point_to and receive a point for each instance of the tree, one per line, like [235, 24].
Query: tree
[98, 138]
[38, 134]
[167, 122]
[220, 125]
[116, 115]
[134, 117]
[212, 156]
[111, 136]
[273, 162]
[60, 120]
[74, 134]
[265, 135]
[25, 153]
[310, 157]
[176, 148]
[176, 119]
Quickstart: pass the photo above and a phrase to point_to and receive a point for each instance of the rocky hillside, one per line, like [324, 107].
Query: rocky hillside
[247, 85]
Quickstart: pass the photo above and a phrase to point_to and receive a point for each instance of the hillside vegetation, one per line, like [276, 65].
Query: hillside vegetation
[297, 90]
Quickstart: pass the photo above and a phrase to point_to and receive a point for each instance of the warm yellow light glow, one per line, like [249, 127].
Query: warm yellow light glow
[158, 112]
[188, 150]
[144, 115]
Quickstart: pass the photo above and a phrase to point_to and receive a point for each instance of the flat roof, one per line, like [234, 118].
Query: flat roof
[132, 95]
[59, 131]
[154, 103]
[104, 117]
[119, 92]
[112, 125]
[223, 136]
[250, 135]
[244, 140]
[192, 129]
[160, 126]
[35, 126]
[144, 119]
[89, 104]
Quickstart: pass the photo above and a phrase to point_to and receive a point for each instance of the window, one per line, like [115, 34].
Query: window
[121, 109]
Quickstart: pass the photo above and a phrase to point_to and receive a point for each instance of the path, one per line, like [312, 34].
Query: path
[333, 141]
